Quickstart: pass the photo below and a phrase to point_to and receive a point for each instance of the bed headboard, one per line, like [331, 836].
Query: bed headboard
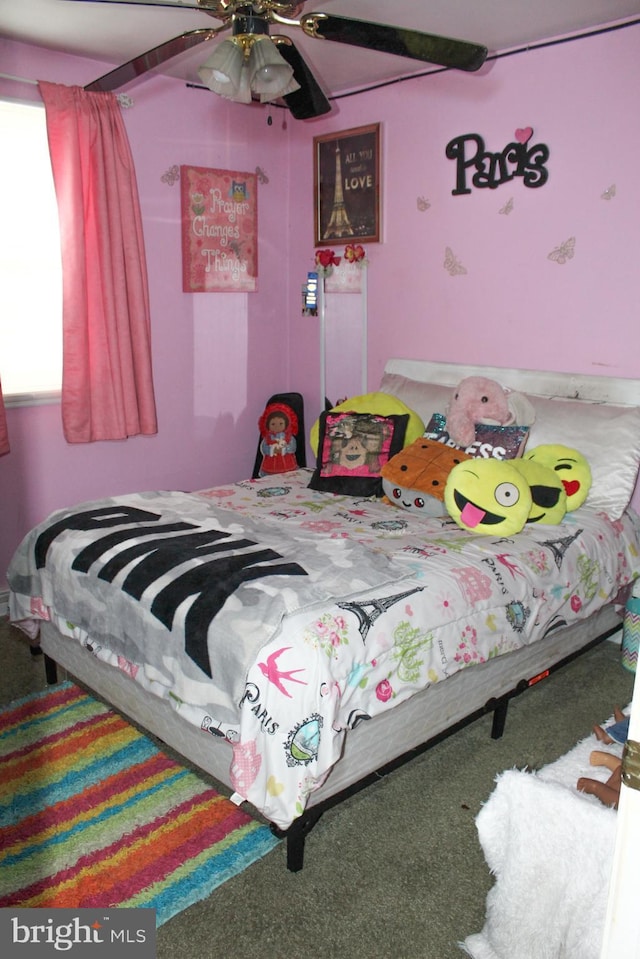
[579, 386]
[597, 415]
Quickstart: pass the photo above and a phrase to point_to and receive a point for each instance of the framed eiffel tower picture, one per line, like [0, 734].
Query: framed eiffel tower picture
[347, 186]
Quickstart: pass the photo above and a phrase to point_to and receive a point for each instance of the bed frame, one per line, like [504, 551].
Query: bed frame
[374, 748]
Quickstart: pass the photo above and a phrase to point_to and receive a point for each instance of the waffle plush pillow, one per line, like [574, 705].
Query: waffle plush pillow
[415, 478]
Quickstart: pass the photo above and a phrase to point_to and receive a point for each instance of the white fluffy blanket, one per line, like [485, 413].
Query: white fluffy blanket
[550, 849]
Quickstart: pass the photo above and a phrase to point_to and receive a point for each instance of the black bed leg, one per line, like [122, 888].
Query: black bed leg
[50, 670]
[295, 852]
[499, 718]
[296, 835]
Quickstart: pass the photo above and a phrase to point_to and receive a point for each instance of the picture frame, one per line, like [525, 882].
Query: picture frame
[219, 213]
[346, 186]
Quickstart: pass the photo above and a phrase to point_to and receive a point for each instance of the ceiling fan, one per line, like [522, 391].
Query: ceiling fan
[247, 66]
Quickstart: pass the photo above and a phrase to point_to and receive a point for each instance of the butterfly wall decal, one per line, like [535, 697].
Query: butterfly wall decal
[423, 204]
[172, 175]
[452, 264]
[563, 252]
[609, 193]
[507, 208]
[262, 176]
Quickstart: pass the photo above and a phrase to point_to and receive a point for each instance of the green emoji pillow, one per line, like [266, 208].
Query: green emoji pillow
[569, 465]
[548, 495]
[488, 497]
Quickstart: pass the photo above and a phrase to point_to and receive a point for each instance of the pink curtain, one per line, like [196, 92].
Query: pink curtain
[107, 383]
[4, 432]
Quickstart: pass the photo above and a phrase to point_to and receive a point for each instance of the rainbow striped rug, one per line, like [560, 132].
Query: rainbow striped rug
[92, 814]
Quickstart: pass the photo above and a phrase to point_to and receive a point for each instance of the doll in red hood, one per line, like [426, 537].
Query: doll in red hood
[278, 429]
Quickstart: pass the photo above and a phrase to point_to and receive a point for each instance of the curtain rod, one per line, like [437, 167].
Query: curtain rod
[7, 76]
[123, 98]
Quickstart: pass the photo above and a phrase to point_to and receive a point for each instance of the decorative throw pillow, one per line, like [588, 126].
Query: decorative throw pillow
[488, 496]
[491, 442]
[414, 479]
[352, 449]
[382, 405]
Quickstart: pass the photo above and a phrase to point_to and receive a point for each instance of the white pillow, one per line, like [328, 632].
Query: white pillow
[607, 436]
[425, 398]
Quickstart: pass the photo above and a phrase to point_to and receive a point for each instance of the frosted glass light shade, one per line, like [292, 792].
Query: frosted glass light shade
[265, 73]
[291, 87]
[270, 74]
[222, 72]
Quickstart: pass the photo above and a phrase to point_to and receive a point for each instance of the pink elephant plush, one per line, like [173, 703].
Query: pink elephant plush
[476, 399]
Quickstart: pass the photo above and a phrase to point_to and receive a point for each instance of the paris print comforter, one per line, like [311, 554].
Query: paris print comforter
[279, 617]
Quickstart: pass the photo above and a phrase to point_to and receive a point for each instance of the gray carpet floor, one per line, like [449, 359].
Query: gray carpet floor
[395, 872]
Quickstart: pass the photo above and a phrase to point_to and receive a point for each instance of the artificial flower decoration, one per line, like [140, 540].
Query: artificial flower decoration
[326, 260]
[354, 253]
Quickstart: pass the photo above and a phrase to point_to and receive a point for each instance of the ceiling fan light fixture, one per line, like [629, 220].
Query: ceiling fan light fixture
[270, 74]
[243, 92]
[291, 87]
[253, 65]
[222, 72]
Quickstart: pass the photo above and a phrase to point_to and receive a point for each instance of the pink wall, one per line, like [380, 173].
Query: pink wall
[218, 356]
[514, 306]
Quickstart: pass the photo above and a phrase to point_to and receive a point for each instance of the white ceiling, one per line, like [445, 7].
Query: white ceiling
[115, 33]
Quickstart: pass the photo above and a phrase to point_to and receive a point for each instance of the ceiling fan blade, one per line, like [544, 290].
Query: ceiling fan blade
[444, 51]
[208, 6]
[309, 101]
[152, 58]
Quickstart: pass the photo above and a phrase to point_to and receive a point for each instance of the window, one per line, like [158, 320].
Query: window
[30, 263]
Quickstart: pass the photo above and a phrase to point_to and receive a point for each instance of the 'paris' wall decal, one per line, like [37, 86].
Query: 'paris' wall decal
[494, 169]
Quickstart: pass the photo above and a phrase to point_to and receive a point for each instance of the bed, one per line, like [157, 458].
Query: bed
[295, 644]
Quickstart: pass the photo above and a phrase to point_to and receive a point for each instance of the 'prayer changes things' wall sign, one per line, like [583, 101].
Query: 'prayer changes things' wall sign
[219, 230]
